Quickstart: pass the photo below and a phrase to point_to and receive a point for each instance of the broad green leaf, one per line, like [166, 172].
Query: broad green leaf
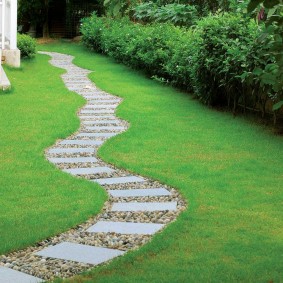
[277, 106]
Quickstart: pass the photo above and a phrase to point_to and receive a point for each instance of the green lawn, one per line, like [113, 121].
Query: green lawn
[36, 199]
[228, 169]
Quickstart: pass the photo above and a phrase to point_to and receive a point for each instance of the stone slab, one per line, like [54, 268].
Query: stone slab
[106, 128]
[70, 150]
[101, 122]
[80, 253]
[97, 135]
[140, 193]
[98, 111]
[89, 171]
[94, 118]
[105, 101]
[81, 142]
[119, 180]
[125, 228]
[73, 160]
[8, 275]
[100, 106]
[144, 206]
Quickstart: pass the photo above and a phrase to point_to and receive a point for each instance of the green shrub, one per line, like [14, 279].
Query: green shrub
[177, 14]
[225, 54]
[220, 58]
[27, 45]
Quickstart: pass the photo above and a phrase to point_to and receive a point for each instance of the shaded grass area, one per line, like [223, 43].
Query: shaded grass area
[229, 170]
[36, 199]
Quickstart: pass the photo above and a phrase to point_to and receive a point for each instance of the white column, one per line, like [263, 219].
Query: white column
[3, 23]
[13, 24]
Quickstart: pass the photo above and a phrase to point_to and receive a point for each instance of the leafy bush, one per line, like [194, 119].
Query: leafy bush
[177, 14]
[27, 45]
[220, 58]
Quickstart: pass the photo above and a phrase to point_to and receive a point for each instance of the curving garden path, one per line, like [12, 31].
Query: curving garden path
[137, 207]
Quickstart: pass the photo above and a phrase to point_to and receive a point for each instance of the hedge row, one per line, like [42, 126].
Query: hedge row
[216, 59]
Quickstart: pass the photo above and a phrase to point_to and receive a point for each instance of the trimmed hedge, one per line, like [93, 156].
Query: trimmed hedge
[213, 59]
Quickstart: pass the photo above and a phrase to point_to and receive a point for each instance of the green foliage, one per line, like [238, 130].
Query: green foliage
[177, 14]
[220, 58]
[271, 74]
[27, 45]
[33, 11]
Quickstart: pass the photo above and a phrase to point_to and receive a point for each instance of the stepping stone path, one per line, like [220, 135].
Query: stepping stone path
[137, 207]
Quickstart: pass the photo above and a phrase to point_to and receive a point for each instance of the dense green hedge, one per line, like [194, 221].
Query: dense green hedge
[215, 59]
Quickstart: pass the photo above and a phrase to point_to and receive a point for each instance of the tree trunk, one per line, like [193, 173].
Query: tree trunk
[45, 32]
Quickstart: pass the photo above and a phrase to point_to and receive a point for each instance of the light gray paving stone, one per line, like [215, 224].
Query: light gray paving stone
[97, 135]
[80, 253]
[144, 206]
[119, 180]
[70, 150]
[8, 275]
[105, 101]
[98, 111]
[140, 192]
[106, 128]
[89, 171]
[102, 122]
[81, 142]
[91, 117]
[73, 160]
[125, 228]
[100, 106]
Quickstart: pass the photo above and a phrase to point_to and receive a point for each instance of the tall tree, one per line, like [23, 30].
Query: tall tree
[35, 12]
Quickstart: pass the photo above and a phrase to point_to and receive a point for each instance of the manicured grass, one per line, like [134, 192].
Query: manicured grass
[228, 169]
[36, 199]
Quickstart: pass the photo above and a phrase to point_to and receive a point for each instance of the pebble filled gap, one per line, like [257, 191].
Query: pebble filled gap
[137, 207]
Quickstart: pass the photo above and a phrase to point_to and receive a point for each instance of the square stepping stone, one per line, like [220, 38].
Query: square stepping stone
[80, 253]
[119, 180]
[97, 135]
[140, 193]
[8, 275]
[73, 160]
[70, 150]
[144, 206]
[125, 228]
[81, 142]
[89, 171]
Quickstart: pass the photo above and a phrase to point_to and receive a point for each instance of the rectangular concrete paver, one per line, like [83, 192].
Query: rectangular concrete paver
[80, 253]
[105, 101]
[125, 228]
[89, 171]
[119, 180]
[95, 118]
[140, 193]
[98, 111]
[73, 160]
[101, 122]
[100, 106]
[8, 275]
[81, 142]
[106, 128]
[70, 150]
[144, 206]
[97, 135]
